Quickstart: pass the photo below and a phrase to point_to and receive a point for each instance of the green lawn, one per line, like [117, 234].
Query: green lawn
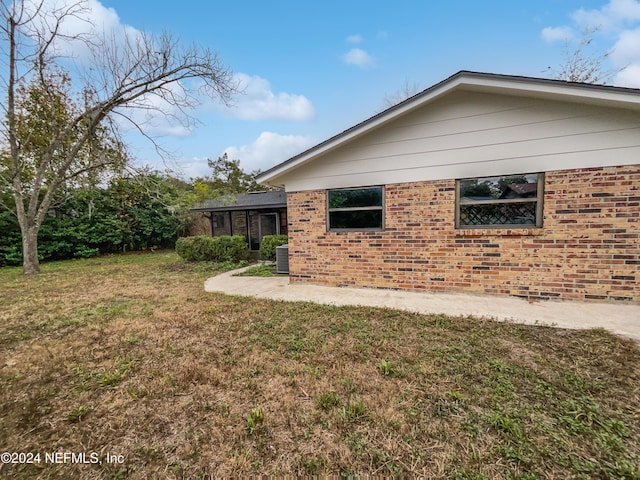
[260, 270]
[128, 359]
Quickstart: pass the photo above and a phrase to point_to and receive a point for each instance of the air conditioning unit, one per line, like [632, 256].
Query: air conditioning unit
[282, 259]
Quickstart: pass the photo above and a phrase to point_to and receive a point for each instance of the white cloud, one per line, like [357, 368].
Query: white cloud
[626, 56]
[90, 20]
[154, 126]
[614, 15]
[618, 21]
[554, 34]
[258, 102]
[629, 77]
[155, 115]
[358, 57]
[193, 168]
[86, 20]
[627, 48]
[269, 149]
[354, 39]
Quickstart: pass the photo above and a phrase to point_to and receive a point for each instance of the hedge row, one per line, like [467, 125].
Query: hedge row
[89, 222]
[224, 248]
[269, 244]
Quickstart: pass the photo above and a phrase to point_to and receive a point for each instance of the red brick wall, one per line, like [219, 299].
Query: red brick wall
[588, 248]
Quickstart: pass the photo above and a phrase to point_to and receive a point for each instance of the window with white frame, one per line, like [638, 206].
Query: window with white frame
[355, 208]
[501, 201]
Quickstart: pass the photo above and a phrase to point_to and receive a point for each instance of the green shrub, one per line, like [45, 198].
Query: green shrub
[86, 252]
[227, 248]
[184, 247]
[224, 248]
[269, 244]
[202, 249]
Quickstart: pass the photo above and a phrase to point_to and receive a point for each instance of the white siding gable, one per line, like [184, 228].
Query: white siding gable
[468, 134]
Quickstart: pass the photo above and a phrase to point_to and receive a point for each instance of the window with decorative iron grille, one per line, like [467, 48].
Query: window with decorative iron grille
[501, 201]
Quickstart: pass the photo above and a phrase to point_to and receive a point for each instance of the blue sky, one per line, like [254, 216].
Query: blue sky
[312, 69]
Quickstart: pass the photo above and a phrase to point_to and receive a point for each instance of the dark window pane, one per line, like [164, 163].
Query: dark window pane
[493, 188]
[356, 219]
[498, 214]
[357, 197]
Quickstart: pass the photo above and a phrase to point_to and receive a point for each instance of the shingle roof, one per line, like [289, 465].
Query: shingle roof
[523, 188]
[244, 201]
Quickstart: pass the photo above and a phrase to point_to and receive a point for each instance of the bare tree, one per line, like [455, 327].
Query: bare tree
[580, 65]
[407, 90]
[124, 76]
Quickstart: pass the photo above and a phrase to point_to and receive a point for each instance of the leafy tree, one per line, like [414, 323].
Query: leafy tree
[35, 177]
[144, 205]
[134, 212]
[472, 188]
[122, 75]
[10, 251]
[228, 177]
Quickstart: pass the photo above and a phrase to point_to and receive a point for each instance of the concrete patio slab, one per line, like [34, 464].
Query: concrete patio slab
[621, 319]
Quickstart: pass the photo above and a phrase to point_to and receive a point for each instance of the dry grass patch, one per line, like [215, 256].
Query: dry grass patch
[127, 355]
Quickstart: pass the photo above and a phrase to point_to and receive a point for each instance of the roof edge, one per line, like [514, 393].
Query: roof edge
[431, 93]
[236, 208]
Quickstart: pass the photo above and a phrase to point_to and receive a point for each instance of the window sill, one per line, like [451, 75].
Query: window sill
[499, 232]
[347, 230]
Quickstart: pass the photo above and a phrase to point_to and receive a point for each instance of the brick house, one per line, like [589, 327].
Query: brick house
[482, 183]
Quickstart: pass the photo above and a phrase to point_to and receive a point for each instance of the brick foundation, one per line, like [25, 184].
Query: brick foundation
[588, 248]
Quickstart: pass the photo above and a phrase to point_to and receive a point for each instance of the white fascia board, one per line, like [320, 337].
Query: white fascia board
[585, 94]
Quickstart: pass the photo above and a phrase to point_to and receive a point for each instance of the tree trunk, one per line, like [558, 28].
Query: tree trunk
[30, 261]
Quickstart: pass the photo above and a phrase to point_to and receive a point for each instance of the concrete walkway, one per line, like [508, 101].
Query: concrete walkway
[622, 319]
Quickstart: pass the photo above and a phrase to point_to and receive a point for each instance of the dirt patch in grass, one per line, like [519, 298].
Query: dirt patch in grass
[129, 356]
